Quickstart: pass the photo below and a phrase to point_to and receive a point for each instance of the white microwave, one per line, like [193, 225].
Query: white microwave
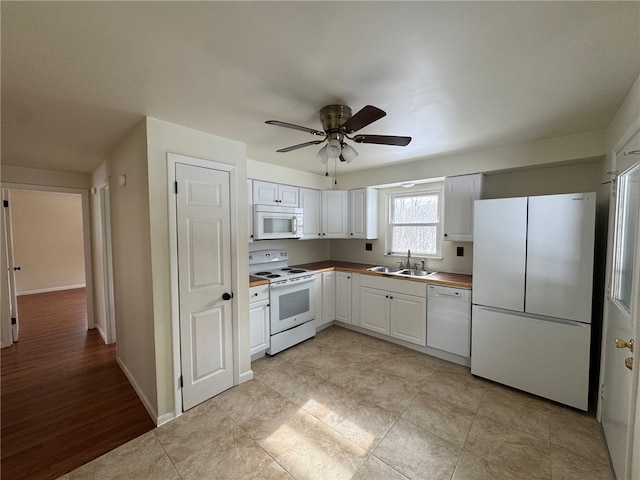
[273, 221]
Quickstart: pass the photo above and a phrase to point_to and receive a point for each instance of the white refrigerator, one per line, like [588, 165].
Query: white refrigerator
[532, 289]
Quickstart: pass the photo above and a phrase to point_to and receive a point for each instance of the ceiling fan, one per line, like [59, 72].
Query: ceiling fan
[338, 123]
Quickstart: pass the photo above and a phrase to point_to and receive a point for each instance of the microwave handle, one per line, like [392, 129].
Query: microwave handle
[295, 224]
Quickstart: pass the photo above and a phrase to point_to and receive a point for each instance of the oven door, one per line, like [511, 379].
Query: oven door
[292, 303]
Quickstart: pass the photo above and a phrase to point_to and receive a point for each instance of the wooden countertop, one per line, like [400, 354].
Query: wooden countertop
[459, 280]
[256, 281]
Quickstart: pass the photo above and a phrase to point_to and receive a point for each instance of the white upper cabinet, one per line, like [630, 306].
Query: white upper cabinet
[459, 194]
[363, 213]
[311, 204]
[335, 213]
[267, 193]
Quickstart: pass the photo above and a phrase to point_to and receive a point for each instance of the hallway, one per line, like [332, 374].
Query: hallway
[64, 399]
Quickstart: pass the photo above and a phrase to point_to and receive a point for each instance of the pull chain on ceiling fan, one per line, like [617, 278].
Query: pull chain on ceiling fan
[338, 123]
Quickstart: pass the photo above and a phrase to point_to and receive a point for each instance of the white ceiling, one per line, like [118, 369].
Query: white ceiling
[455, 76]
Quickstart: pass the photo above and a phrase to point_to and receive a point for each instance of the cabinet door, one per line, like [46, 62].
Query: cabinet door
[265, 193]
[343, 297]
[408, 318]
[334, 213]
[459, 195]
[288, 195]
[328, 297]
[311, 204]
[374, 310]
[319, 302]
[259, 326]
[363, 213]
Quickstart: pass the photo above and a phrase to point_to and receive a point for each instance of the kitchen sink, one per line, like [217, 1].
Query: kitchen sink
[382, 269]
[411, 272]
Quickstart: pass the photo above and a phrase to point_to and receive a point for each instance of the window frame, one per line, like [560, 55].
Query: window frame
[438, 192]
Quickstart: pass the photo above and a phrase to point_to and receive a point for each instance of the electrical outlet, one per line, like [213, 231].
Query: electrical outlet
[368, 246]
[460, 251]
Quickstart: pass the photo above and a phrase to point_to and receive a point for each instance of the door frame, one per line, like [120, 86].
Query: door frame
[172, 160]
[104, 198]
[633, 435]
[86, 229]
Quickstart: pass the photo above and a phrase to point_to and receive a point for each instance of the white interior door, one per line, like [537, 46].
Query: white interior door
[619, 382]
[11, 267]
[204, 279]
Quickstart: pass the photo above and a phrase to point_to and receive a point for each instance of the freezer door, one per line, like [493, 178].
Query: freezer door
[499, 252]
[543, 357]
[560, 243]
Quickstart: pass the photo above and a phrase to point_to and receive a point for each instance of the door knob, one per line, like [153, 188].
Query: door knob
[628, 362]
[227, 296]
[623, 344]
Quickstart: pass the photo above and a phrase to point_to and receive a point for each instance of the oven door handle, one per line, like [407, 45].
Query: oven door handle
[292, 284]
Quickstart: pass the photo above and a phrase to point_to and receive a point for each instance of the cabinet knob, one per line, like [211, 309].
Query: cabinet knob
[445, 234]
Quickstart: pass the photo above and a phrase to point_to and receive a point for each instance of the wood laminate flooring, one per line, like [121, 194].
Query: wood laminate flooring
[64, 399]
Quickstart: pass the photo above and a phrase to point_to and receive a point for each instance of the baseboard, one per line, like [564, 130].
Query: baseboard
[102, 334]
[162, 419]
[51, 289]
[141, 395]
[246, 376]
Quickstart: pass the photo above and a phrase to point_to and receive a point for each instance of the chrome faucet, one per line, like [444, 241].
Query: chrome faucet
[408, 258]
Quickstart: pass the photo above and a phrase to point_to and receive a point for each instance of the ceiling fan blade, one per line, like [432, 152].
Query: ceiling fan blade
[383, 140]
[301, 145]
[364, 117]
[278, 123]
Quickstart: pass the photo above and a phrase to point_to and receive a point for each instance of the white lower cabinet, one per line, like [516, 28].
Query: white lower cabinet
[343, 297]
[325, 302]
[259, 318]
[397, 308]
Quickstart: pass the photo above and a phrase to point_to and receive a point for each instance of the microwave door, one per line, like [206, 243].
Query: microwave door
[277, 225]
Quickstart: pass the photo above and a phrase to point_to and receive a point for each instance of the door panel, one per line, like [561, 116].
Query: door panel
[204, 275]
[560, 241]
[619, 399]
[500, 233]
[374, 310]
[11, 272]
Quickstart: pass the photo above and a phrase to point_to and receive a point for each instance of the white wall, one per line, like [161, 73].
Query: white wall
[164, 137]
[133, 281]
[50, 178]
[581, 147]
[48, 242]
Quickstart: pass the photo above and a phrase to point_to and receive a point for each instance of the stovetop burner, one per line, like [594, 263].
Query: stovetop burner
[272, 265]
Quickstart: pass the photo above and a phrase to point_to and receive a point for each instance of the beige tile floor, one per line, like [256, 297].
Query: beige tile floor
[348, 406]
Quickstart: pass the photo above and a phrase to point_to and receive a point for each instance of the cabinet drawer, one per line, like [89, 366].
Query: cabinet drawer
[394, 285]
[259, 293]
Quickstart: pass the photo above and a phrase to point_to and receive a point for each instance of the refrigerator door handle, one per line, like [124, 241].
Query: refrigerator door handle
[535, 317]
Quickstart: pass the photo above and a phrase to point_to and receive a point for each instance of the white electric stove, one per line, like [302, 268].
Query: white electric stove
[292, 298]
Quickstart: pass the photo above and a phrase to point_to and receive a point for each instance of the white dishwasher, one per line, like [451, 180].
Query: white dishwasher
[449, 319]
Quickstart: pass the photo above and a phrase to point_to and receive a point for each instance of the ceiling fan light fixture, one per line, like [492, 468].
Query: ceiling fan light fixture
[333, 148]
[322, 155]
[348, 153]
